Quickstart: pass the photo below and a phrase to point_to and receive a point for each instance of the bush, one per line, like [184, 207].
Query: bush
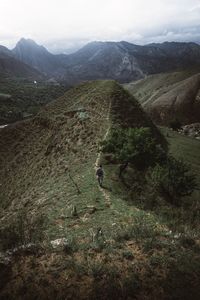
[143, 227]
[174, 178]
[134, 145]
[175, 124]
[22, 231]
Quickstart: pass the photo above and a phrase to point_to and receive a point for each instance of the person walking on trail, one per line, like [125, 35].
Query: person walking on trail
[100, 174]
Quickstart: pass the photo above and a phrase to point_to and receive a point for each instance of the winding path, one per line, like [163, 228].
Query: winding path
[97, 162]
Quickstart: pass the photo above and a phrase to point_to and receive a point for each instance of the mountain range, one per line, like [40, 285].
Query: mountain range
[121, 61]
[13, 67]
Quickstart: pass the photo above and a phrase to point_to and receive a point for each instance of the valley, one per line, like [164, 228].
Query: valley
[21, 98]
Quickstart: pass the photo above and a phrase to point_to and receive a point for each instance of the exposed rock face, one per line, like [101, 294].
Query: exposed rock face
[37, 57]
[11, 66]
[121, 61]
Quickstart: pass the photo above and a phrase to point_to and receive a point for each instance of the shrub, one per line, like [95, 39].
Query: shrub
[175, 124]
[71, 246]
[22, 231]
[134, 145]
[174, 178]
[143, 227]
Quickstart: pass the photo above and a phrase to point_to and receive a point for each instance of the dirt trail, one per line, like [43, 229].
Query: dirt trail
[97, 162]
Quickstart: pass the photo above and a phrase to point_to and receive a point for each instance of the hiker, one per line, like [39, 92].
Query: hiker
[99, 174]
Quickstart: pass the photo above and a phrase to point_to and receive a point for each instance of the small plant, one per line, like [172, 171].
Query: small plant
[131, 285]
[128, 255]
[143, 227]
[71, 246]
[97, 269]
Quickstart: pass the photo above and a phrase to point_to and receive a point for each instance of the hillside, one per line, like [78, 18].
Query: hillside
[73, 125]
[118, 242]
[13, 67]
[121, 61]
[27, 51]
[170, 96]
[20, 98]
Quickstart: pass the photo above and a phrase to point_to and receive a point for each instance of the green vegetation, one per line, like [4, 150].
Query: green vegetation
[20, 98]
[134, 145]
[174, 178]
[154, 86]
[125, 240]
[175, 124]
[169, 97]
[23, 230]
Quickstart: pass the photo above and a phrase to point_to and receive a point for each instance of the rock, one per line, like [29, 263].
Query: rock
[192, 130]
[27, 249]
[91, 209]
[4, 259]
[86, 217]
[62, 242]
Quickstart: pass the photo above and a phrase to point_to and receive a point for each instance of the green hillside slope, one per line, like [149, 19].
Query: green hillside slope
[122, 241]
[169, 96]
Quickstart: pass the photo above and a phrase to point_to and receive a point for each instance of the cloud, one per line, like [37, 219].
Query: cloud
[68, 24]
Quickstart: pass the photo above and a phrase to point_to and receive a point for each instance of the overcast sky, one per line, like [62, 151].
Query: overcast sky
[69, 24]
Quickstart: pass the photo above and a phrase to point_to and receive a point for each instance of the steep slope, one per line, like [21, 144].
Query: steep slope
[169, 96]
[105, 61]
[89, 243]
[11, 66]
[121, 61]
[182, 103]
[64, 132]
[37, 57]
[124, 61]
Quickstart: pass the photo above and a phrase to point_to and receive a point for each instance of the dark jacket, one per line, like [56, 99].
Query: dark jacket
[99, 172]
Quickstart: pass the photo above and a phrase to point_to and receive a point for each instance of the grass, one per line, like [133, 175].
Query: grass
[169, 96]
[143, 251]
[149, 89]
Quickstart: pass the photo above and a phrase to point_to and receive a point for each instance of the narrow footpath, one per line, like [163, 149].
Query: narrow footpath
[97, 163]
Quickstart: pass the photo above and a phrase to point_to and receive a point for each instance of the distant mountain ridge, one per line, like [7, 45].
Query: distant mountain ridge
[11, 66]
[121, 61]
[37, 57]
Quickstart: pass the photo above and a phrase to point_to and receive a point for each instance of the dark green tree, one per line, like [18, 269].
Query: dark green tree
[175, 124]
[135, 146]
[174, 178]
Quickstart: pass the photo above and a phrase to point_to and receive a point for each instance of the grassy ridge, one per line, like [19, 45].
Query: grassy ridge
[169, 96]
[146, 248]
[152, 87]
